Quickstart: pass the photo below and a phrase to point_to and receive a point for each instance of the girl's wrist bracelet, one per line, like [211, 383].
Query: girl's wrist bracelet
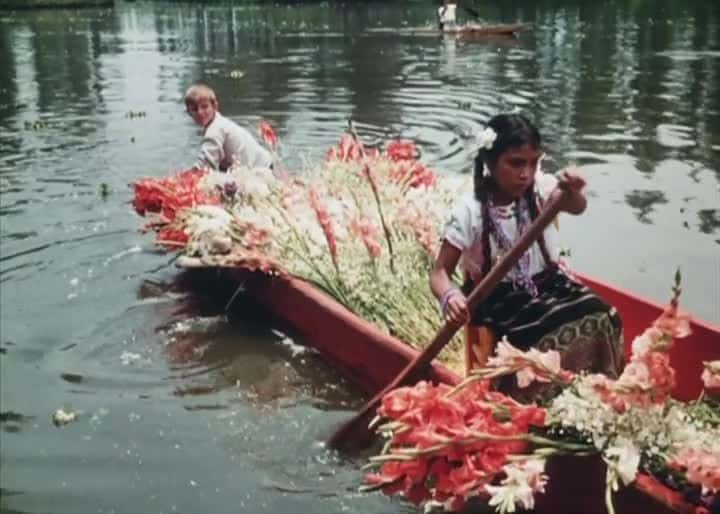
[445, 298]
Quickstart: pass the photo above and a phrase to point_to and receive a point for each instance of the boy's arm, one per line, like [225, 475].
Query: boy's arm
[211, 153]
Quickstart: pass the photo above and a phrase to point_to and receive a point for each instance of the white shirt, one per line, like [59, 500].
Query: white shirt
[447, 13]
[225, 142]
[464, 231]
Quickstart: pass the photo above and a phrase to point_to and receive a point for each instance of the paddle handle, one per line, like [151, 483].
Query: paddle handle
[358, 424]
[503, 266]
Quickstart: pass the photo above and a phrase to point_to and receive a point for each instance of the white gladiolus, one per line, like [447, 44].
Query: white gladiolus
[625, 458]
[522, 481]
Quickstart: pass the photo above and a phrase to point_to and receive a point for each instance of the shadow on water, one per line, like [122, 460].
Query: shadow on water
[270, 365]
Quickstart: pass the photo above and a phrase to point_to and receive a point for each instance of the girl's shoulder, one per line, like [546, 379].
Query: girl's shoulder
[463, 222]
[467, 203]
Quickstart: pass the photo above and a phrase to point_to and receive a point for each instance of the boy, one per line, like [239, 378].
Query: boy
[224, 141]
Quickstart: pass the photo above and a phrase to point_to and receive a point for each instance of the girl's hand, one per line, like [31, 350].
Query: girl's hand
[456, 311]
[571, 180]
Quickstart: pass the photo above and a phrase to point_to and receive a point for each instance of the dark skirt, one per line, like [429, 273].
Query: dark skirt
[565, 316]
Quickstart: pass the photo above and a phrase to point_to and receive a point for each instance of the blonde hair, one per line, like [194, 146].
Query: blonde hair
[199, 92]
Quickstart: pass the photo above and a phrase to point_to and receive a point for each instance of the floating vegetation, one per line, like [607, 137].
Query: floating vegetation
[36, 125]
[62, 417]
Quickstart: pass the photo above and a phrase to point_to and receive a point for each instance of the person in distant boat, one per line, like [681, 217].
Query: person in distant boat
[538, 304]
[224, 141]
[447, 16]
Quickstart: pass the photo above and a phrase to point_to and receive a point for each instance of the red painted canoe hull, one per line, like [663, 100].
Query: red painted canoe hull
[371, 358]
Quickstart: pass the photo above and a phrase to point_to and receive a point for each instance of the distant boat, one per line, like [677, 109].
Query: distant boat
[473, 30]
[56, 4]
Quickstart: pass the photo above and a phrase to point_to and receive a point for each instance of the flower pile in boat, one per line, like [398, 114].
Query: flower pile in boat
[447, 445]
[363, 225]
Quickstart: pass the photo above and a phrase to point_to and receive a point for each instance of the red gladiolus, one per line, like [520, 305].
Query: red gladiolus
[169, 195]
[401, 150]
[172, 237]
[268, 134]
[450, 443]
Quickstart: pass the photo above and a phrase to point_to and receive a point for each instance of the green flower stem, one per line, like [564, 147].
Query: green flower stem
[386, 228]
[608, 492]
[330, 287]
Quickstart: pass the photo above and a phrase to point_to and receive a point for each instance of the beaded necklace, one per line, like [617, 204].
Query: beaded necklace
[521, 276]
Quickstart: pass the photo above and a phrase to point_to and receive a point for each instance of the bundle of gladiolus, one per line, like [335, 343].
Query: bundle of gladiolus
[363, 225]
[168, 195]
[405, 168]
[446, 445]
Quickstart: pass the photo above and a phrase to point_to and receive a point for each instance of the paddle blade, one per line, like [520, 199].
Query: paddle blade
[355, 434]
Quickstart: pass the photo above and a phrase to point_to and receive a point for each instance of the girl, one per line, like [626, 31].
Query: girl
[537, 304]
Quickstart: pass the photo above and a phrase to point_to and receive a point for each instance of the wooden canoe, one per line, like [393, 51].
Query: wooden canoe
[509, 29]
[371, 358]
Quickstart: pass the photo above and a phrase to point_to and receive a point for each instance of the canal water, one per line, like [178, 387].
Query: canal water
[181, 409]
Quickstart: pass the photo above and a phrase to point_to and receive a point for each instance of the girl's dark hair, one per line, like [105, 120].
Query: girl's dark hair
[512, 130]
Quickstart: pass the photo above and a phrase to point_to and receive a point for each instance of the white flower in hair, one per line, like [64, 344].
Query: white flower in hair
[486, 138]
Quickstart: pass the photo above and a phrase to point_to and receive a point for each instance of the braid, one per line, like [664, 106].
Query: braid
[486, 229]
[531, 202]
[481, 182]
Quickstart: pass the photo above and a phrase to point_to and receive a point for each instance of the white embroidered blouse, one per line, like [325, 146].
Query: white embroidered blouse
[465, 226]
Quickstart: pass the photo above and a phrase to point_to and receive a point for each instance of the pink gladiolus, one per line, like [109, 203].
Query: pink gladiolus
[711, 375]
[701, 467]
[291, 196]
[530, 366]
[326, 224]
[255, 237]
[425, 234]
[648, 379]
[349, 150]
[673, 324]
[363, 228]
[412, 174]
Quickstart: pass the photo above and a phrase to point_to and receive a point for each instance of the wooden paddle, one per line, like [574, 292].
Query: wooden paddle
[355, 433]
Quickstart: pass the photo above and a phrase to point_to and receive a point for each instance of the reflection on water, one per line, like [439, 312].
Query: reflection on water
[180, 405]
[645, 202]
